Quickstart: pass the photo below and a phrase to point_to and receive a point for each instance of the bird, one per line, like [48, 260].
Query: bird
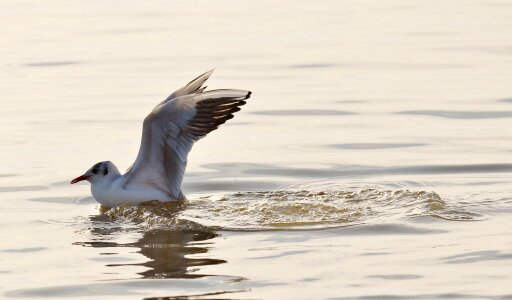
[168, 133]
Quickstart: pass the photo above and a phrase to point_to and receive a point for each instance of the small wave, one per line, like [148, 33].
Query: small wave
[281, 210]
[52, 63]
[303, 112]
[373, 146]
[460, 114]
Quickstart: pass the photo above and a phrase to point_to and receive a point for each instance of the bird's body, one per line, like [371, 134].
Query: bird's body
[113, 193]
[169, 132]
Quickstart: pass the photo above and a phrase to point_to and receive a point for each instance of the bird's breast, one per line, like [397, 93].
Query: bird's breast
[115, 195]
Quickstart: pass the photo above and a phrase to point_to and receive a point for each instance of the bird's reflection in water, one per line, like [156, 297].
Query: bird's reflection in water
[168, 250]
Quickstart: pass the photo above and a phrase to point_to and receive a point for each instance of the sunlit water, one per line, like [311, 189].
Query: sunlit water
[373, 160]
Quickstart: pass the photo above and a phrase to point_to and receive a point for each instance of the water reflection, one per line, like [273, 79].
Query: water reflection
[198, 296]
[168, 251]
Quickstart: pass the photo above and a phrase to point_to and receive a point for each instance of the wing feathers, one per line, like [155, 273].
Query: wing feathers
[215, 110]
[193, 87]
[171, 129]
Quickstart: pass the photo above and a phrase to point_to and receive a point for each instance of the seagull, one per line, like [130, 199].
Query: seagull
[168, 133]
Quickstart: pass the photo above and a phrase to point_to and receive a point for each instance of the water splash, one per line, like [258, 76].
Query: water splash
[291, 210]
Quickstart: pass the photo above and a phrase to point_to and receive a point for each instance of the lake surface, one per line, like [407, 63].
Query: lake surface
[373, 161]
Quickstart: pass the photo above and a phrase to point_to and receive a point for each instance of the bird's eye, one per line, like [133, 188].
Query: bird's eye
[95, 171]
[105, 172]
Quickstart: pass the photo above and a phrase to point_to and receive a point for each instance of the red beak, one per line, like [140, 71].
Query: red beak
[79, 178]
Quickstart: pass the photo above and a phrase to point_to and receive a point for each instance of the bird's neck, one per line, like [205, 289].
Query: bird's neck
[105, 182]
[102, 190]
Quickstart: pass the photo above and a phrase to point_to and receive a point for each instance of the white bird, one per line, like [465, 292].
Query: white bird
[168, 134]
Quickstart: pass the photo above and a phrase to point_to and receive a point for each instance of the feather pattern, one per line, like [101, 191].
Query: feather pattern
[171, 129]
[193, 87]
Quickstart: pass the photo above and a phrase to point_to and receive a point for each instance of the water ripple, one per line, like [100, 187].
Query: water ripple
[460, 114]
[303, 112]
[477, 256]
[284, 210]
[52, 63]
[351, 170]
[26, 188]
[368, 146]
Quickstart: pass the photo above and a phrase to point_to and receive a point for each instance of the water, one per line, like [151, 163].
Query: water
[373, 160]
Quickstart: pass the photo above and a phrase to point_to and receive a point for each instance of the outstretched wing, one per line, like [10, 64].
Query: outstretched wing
[193, 87]
[171, 129]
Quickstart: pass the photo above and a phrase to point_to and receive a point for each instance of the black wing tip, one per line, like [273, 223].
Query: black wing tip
[249, 93]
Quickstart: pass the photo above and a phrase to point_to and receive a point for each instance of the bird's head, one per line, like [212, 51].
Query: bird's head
[102, 171]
